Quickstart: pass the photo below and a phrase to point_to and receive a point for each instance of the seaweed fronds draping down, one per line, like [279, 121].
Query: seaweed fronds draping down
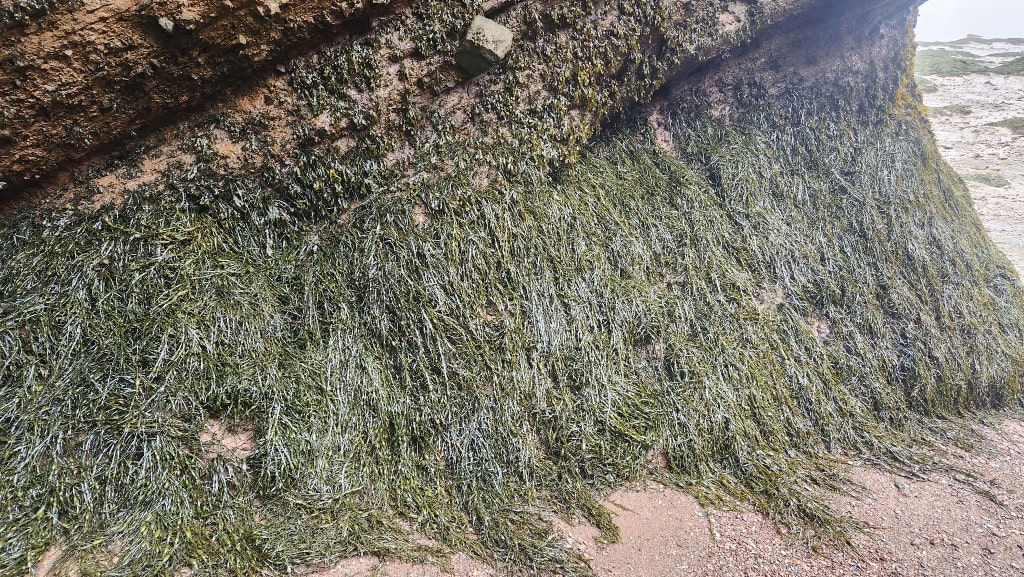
[465, 363]
[337, 353]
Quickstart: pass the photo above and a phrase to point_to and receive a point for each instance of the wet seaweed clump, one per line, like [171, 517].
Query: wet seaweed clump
[411, 350]
[1014, 124]
[993, 179]
[1014, 67]
[948, 63]
[951, 110]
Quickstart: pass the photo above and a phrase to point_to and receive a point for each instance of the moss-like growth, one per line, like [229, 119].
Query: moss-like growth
[20, 12]
[993, 179]
[948, 63]
[951, 110]
[464, 331]
[1014, 125]
[1014, 67]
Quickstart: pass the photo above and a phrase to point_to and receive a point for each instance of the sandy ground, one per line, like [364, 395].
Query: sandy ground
[973, 147]
[939, 527]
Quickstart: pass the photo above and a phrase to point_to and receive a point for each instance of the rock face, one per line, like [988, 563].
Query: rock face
[86, 77]
[486, 43]
[704, 242]
[83, 77]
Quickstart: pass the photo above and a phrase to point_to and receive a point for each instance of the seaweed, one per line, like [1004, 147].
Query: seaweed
[946, 63]
[22, 12]
[1014, 67]
[951, 110]
[926, 86]
[1014, 124]
[446, 351]
[993, 179]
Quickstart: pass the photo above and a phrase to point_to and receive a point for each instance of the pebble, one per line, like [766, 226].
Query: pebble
[167, 24]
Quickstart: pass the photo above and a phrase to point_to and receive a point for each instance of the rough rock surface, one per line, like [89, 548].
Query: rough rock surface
[87, 76]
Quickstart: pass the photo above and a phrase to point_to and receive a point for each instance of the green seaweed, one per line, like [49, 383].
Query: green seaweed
[501, 326]
[976, 40]
[926, 86]
[21, 12]
[1014, 124]
[525, 350]
[993, 179]
[1014, 67]
[947, 63]
[951, 110]
[1014, 54]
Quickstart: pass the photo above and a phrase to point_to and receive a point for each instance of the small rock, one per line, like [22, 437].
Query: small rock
[167, 24]
[486, 43]
[270, 8]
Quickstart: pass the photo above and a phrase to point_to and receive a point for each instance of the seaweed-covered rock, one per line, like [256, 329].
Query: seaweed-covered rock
[352, 306]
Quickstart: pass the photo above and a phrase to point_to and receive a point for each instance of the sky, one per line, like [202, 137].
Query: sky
[942, 20]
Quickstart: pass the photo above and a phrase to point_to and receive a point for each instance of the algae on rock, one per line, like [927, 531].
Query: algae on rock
[463, 331]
